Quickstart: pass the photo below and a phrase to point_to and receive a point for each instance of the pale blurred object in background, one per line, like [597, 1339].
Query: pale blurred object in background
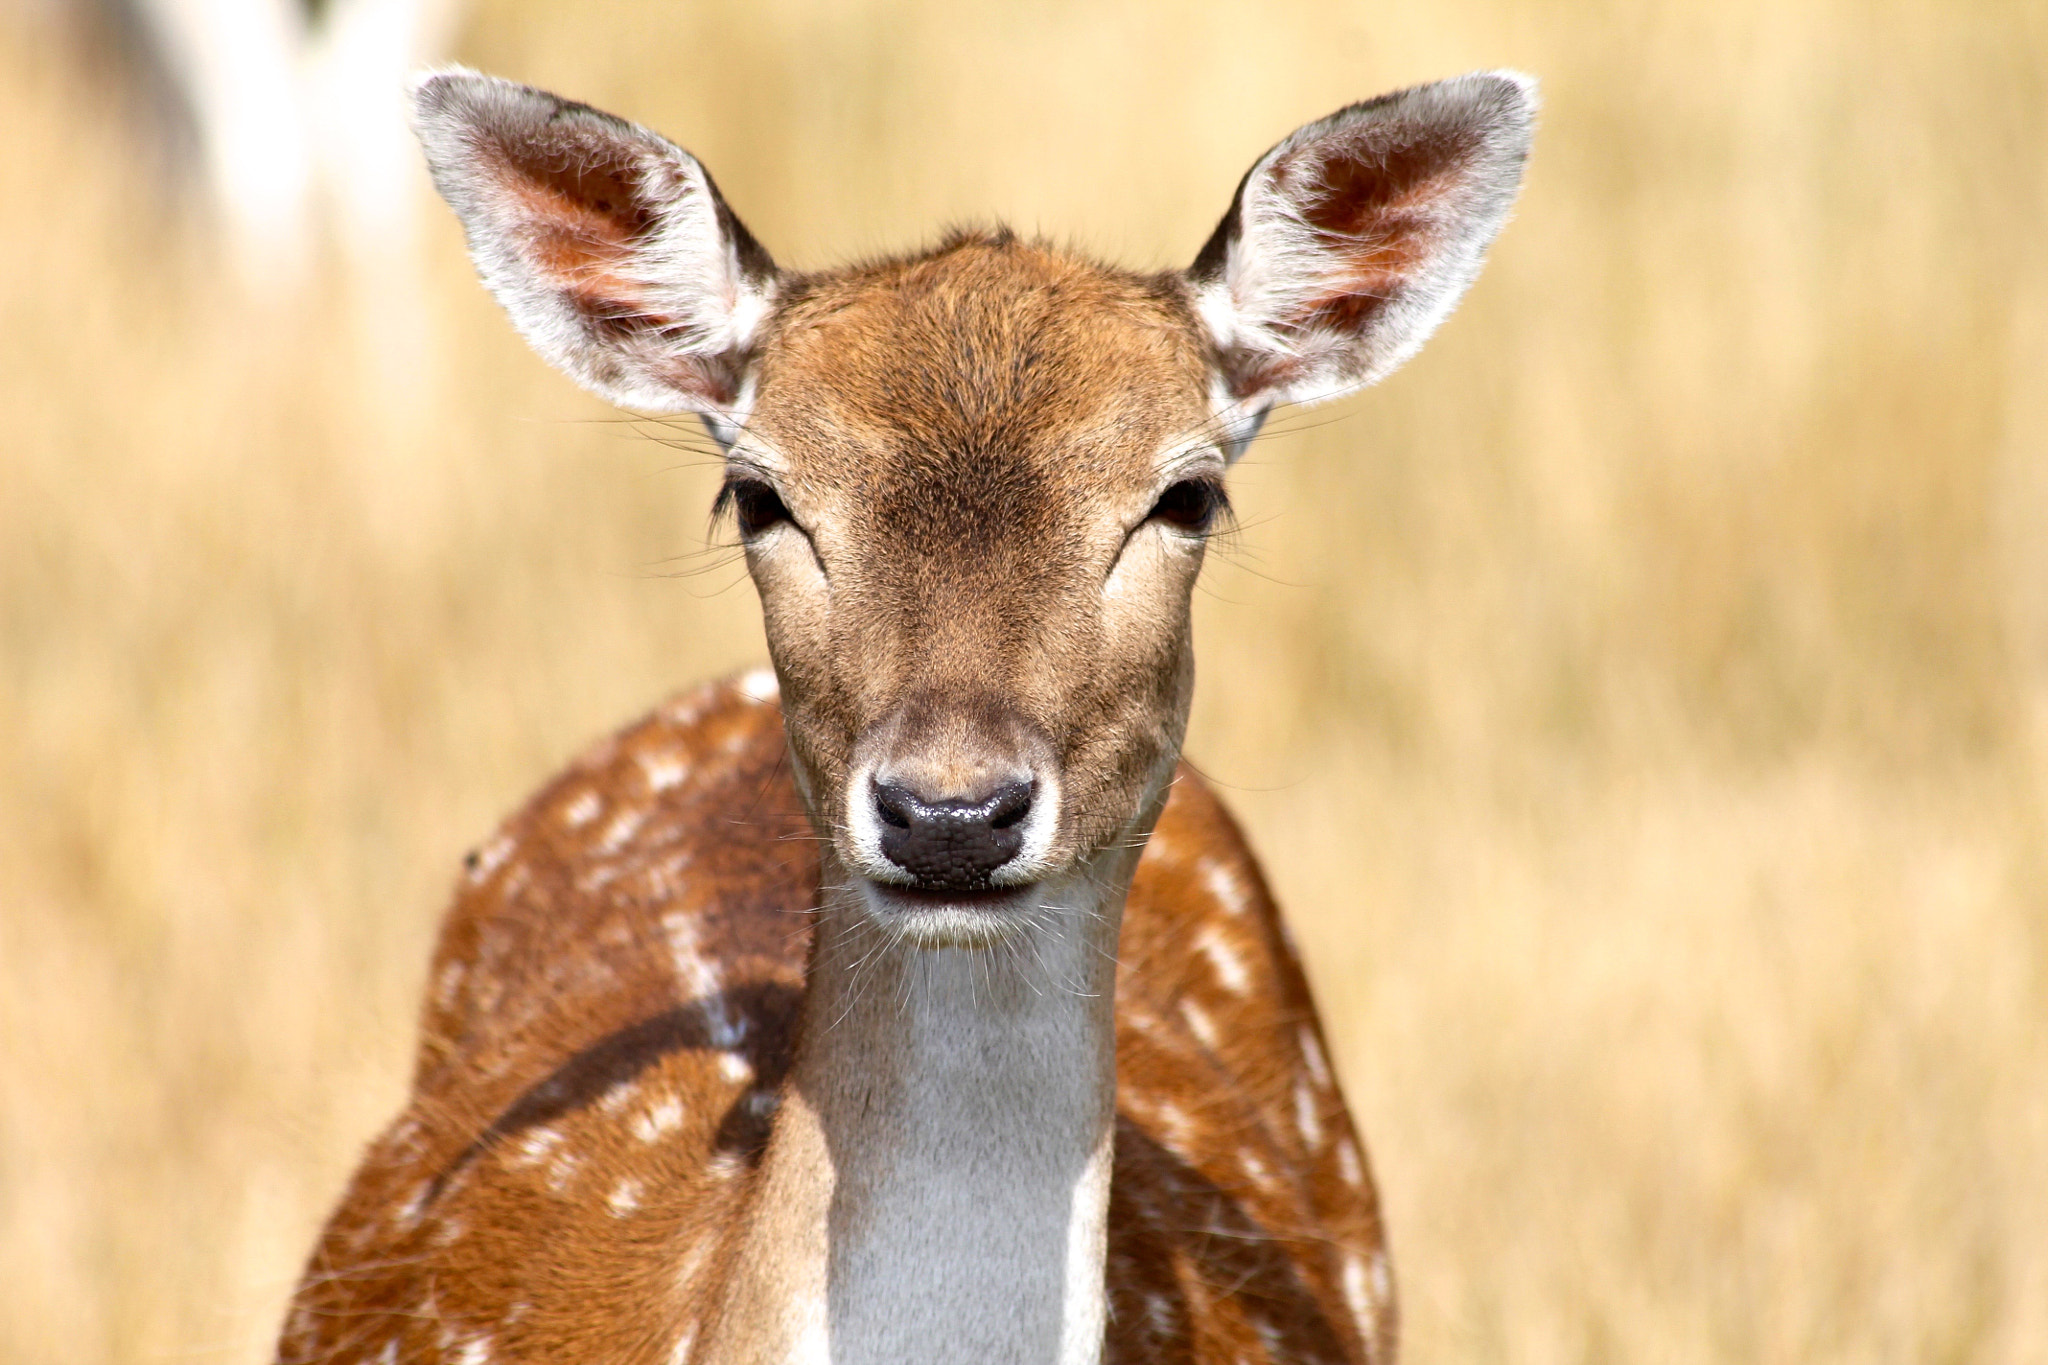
[294, 119]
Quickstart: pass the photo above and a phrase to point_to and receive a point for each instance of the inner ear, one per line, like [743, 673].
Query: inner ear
[1377, 211]
[609, 245]
[1349, 241]
[587, 211]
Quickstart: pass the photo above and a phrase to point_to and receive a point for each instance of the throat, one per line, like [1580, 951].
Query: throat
[937, 1184]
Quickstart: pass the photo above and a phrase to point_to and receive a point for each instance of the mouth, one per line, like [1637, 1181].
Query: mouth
[949, 919]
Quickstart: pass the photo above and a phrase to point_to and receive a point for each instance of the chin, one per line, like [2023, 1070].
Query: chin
[950, 919]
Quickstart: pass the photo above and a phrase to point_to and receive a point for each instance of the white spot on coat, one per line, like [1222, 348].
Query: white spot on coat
[490, 858]
[1312, 1053]
[663, 878]
[1228, 965]
[734, 1068]
[535, 1146]
[1174, 1125]
[581, 809]
[405, 1137]
[1223, 885]
[449, 982]
[1199, 1020]
[1359, 1287]
[598, 877]
[1355, 1293]
[662, 769]
[623, 827]
[691, 1262]
[1308, 1114]
[408, 1214]
[687, 710]
[760, 684]
[1348, 1164]
[624, 1198]
[665, 1117]
[695, 972]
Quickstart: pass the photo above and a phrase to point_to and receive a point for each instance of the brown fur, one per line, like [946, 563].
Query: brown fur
[555, 1007]
[970, 434]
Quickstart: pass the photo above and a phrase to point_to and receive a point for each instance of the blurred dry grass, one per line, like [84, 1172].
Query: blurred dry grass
[1641, 702]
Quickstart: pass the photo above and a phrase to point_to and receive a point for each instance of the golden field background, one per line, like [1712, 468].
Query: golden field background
[1640, 702]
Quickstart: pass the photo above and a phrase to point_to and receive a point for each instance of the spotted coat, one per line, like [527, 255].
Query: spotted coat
[611, 1008]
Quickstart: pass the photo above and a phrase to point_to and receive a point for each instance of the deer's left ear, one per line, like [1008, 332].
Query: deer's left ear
[1351, 240]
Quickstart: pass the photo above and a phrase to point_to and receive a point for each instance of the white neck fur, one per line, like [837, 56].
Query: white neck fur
[937, 1185]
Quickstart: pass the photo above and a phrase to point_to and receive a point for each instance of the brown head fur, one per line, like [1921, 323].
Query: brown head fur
[969, 444]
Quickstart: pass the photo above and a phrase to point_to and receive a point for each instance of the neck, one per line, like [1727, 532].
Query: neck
[938, 1179]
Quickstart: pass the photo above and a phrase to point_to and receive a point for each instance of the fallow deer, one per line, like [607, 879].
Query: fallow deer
[912, 1001]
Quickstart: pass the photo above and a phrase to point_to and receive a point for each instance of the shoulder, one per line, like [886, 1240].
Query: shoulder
[608, 1016]
[668, 862]
[1242, 1207]
[1201, 924]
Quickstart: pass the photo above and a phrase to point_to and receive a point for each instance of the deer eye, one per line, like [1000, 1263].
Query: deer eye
[754, 503]
[1190, 505]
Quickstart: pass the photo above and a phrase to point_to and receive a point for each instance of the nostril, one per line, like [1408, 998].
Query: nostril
[951, 845]
[1011, 805]
[893, 804]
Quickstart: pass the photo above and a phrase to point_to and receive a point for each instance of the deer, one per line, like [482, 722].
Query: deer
[910, 999]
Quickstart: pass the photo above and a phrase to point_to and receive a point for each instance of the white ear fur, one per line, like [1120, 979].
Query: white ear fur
[1350, 241]
[608, 245]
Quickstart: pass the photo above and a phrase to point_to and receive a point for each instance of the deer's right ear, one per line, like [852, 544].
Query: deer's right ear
[608, 244]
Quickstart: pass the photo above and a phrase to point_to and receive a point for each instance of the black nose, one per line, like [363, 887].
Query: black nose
[952, 845]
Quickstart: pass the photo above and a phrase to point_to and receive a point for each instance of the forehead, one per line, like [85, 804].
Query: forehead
[989, 366]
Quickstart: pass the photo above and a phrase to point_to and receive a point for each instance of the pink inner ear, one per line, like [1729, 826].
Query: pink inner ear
[584, 219]
[1377, 212]
[1369, 270]
[1350, 187]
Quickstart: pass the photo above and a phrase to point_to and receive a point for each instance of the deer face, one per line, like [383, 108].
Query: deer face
[975, 486]
[974, 491]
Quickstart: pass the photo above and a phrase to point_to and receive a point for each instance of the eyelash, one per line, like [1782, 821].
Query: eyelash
[1191, 505]
[754, 504]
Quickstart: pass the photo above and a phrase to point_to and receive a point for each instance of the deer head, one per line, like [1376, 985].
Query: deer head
[975, 485]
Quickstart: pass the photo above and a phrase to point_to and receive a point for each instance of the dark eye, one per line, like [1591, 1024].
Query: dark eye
[754, 504]
[1191, 505]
